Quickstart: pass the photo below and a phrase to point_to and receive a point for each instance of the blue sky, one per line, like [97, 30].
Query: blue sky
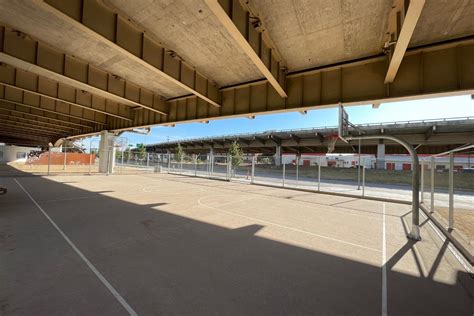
[447, 107]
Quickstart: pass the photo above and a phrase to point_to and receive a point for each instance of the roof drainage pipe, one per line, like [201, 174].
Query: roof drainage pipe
[415, 227]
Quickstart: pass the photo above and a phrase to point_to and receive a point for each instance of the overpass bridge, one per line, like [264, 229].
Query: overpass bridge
[69, 69]
[428, 136]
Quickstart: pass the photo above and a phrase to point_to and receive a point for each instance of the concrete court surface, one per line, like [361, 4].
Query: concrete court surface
[167, 244]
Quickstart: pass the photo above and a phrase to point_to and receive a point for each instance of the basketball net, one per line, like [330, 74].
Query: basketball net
[120, 143]
[332, 143]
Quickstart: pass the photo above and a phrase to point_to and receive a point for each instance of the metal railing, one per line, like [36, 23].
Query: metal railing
[447, 192]
[264, 169]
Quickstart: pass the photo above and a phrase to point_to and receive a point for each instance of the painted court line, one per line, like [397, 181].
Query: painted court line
[81, 255]
[287, 227]
[384, 266]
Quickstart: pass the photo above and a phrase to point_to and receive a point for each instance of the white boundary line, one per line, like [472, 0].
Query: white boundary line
[283, 226]
[81, 255]
[384, 266]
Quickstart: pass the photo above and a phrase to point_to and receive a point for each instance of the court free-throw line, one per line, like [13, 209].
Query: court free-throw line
[81, 255]
[283, 226]
[384, 266]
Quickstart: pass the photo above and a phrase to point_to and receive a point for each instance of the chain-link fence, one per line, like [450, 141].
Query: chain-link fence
[57, 160]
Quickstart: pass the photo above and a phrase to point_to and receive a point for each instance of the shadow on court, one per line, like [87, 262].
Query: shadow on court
[161, 263]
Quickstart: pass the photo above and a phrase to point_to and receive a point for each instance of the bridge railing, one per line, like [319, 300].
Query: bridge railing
[310, 129]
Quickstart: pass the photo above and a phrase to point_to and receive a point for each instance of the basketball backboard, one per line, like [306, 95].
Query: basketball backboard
[120, 143]
[343, 127]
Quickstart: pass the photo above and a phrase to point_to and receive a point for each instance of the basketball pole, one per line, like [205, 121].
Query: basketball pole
[358, 170]
[415, 227]
[343, 132]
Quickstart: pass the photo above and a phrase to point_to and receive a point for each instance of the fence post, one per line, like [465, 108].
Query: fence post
[422, 189]
[229, 166]
[319, 174]
[451, 191]
[363, 181]
[432, 172]
[65, 153]
[108, 160]
[49, 160]
[169, 162]
[283, 174]
[212, 165]
[195, 164]
[121, 167]
[253, 169]
[90, 162]
[358, 170]
[90, 157]
[297, 169]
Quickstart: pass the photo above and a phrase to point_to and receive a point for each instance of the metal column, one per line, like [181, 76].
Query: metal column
[358, 170]
[451, 192]
[432, 173]
[253, 169]
[415, 227]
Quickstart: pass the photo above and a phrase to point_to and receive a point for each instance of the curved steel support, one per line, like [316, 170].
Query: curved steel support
[415, 227]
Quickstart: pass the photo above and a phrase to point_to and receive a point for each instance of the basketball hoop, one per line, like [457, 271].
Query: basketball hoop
[120, 143]
[343, 128]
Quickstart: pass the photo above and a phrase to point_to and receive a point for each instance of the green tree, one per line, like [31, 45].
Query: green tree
[236, 155]
[141, 151]
[179, 154]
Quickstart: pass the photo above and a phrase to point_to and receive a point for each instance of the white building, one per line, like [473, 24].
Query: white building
[392, 162]
[10, 153]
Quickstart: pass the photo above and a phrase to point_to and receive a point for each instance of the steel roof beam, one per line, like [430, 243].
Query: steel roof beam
[259, 139]
[51, 111]
[18, 141]
[58, 77]
[23, 135]
[14, 110]
[9, 121]
[244, 141]
[402, 23]
[32, 130]
[296, 138]
[172, 69]
[42, 95]
[6, 122]
[320, 137]
[430, 132]
[21, 119]
[20, 51]
[275, 139]
[235, 20]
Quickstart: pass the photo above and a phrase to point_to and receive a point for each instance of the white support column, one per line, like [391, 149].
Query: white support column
[380, 155]
[278, 155]
[106, 152]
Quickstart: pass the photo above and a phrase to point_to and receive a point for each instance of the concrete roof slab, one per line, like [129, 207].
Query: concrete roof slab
[191, 30]
[315, 33]
[442, 20]
[45, 26]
